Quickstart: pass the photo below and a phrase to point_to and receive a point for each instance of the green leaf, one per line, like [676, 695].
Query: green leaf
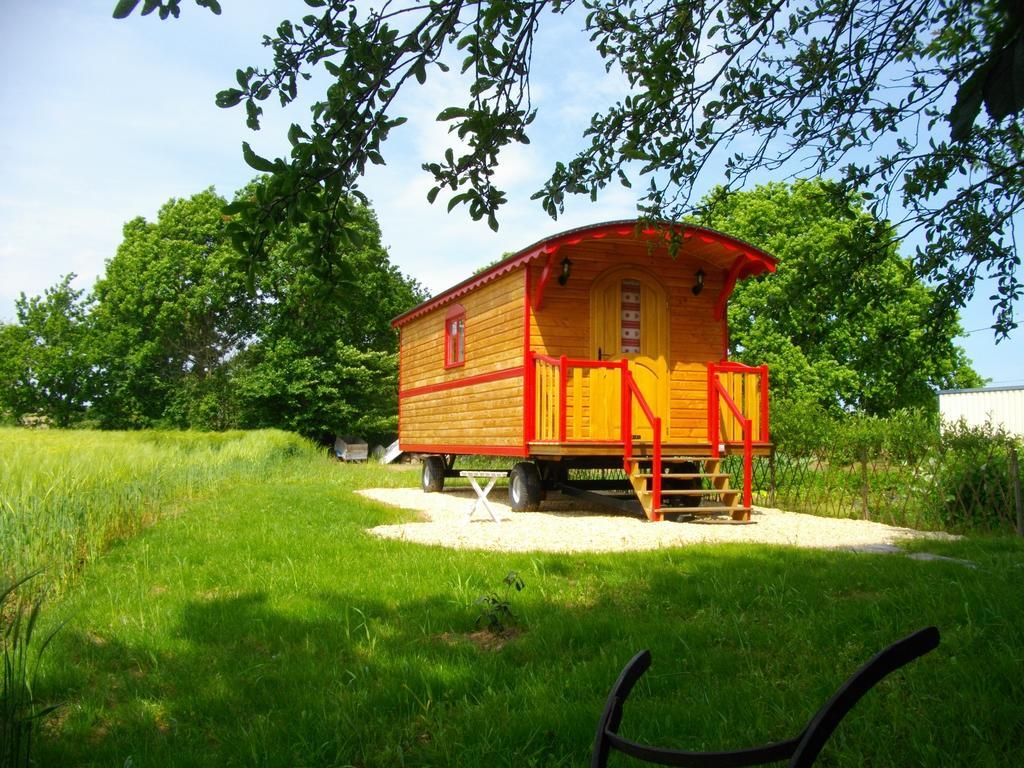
[450, 113]
[255, 161]
[419, 71]
[968, 104]
[229, 98]
[456, 199]
[1004, 86]
[295, 134]
[124, 8]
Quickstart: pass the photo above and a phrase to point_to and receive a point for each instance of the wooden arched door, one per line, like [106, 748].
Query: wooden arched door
[629, 320]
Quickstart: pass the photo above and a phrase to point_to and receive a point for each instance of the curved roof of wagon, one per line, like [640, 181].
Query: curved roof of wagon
[747, 260]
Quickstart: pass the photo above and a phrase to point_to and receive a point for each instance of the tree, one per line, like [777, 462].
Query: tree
[184, 340]
[171, 309]
[45, 368]
[885, 95]
[325, 362]
[339, 390]
[844, 323]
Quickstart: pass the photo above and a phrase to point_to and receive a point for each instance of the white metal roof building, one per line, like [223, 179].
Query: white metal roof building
[1000, 406]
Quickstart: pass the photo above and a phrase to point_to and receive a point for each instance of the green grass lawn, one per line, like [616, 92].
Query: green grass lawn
[261, 625]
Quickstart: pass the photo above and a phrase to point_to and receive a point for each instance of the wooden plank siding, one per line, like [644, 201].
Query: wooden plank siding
[562, 324]
[478, 413]
[487, 414]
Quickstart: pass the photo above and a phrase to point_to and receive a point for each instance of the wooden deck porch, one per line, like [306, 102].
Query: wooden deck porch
[577, 408]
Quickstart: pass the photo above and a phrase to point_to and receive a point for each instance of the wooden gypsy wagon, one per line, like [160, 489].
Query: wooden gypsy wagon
[593, 349]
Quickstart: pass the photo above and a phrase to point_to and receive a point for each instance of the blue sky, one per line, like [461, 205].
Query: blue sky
[106, 120]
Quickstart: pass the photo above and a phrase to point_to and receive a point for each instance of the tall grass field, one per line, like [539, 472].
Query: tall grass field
[241, 614]
[65, 495]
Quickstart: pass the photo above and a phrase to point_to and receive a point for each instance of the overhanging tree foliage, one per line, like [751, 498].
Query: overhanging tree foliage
[884, 95]
[843, 324]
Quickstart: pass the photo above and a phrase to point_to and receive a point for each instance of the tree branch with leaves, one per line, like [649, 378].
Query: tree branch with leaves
[884, 96]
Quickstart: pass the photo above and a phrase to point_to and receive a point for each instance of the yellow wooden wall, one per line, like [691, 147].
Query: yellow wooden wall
[488, 413]
[562, 325]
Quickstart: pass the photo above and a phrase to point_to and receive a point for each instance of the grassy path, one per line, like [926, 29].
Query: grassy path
[262, 626]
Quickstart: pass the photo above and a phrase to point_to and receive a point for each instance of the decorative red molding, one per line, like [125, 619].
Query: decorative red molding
[758, 260]
[746, 265]
[466, 381]
[545, 276]
[730, 283]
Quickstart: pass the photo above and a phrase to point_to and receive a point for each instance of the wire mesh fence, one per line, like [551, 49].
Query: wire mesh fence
[959, 480]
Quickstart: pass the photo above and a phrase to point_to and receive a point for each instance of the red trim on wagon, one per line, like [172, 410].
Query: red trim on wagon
[529, 377]
[466, 381]
[401, 347]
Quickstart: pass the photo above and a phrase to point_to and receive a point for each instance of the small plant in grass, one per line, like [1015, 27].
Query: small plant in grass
[496, 612]
[18, 710]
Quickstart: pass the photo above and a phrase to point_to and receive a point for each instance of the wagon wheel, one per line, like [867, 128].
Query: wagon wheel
[432, 479]
[525, 490]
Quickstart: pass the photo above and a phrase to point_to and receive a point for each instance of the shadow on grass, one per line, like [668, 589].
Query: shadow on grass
[239, 681]
[747, 644]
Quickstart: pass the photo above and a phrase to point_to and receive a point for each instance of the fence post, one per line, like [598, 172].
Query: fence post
[863, 456]
[1015, 480]
[771, 478]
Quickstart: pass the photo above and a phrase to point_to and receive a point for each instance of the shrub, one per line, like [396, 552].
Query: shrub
[902, 469]
[973, 488]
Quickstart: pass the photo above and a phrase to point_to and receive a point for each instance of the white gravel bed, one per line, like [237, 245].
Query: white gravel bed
[567, 525]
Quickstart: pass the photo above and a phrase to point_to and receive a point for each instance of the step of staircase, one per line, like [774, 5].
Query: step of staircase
[700, 492]
[714, 496]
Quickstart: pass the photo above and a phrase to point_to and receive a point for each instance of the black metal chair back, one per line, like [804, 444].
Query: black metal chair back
[801, 751]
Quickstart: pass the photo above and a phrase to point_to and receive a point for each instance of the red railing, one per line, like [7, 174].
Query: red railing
[747, 385]
[627, 435]
[546, 404]
[755, 399]
[546, 419]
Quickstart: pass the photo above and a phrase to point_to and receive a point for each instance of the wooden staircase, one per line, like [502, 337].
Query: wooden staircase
[690, 486]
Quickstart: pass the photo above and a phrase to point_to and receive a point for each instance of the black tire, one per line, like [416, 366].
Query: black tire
[432, 479]
[525, 491]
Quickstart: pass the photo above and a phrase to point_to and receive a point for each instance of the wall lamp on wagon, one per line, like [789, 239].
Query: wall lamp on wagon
[566, 271]
[698, 284]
